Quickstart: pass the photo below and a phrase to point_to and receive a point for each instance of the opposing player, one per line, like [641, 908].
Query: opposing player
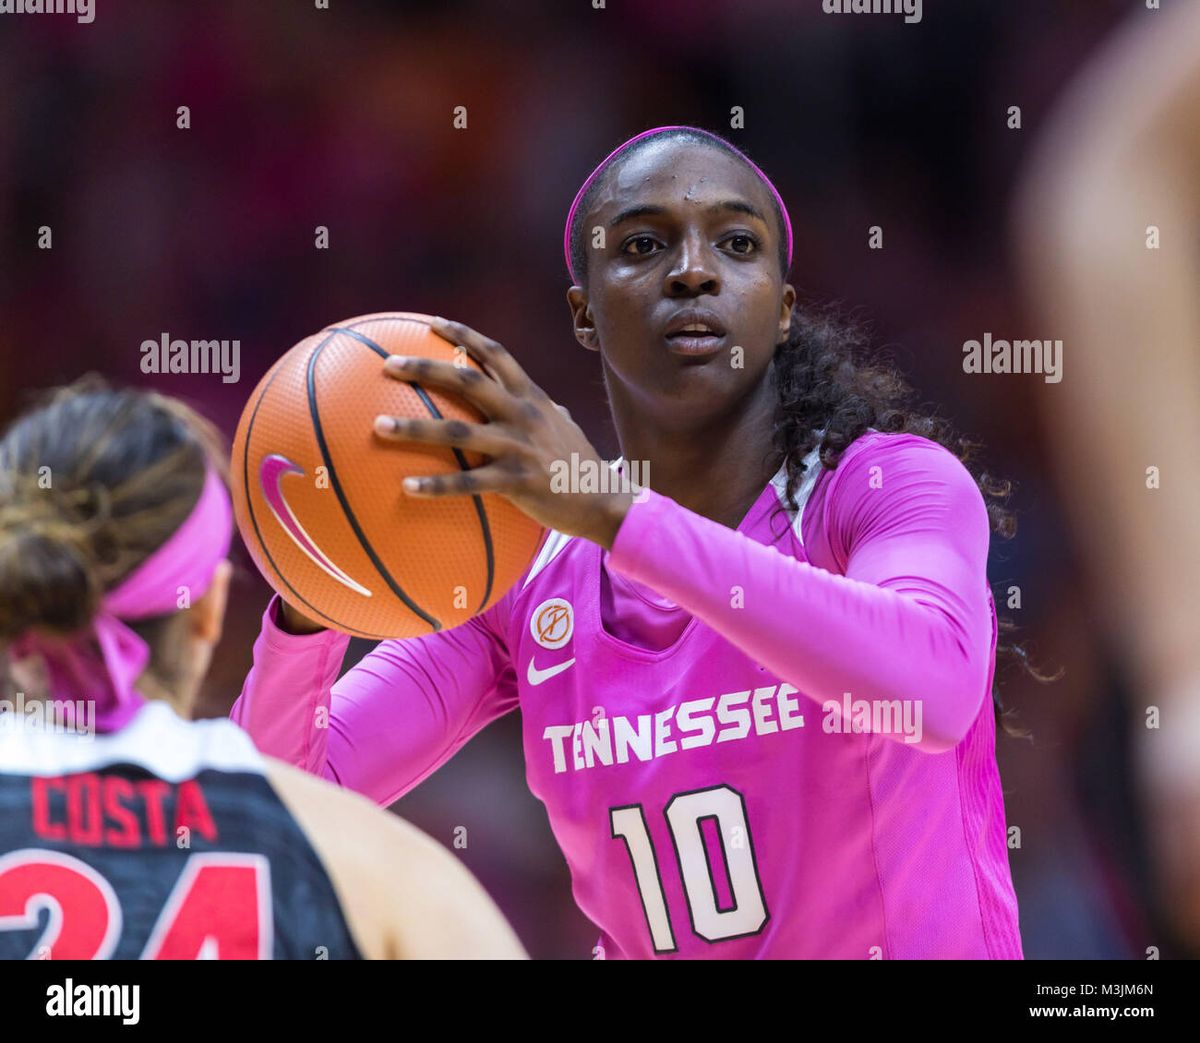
[756, 695]
[127, 831]
[1108, 217]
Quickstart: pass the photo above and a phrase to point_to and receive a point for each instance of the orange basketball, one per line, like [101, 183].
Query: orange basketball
[318, 495]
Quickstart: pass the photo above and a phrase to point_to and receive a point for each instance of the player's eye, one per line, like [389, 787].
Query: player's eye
[742, 242]
[639, 241]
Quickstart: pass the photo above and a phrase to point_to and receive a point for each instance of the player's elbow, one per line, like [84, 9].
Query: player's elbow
[946, 698]
[951, 713]
[940, 742]
[952, 688]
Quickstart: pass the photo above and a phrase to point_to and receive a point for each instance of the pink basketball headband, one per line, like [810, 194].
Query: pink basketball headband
[105, 674]
[787, 221]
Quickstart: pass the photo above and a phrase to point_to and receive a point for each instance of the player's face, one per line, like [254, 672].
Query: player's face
[688, 229]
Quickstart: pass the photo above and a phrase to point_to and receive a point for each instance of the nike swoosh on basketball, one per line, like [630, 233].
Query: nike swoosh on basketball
[537, 676]
[270, 474]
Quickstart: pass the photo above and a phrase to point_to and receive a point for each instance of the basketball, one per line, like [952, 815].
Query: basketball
[318, 496]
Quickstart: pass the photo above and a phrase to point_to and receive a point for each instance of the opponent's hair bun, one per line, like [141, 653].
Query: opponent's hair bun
[48, 575]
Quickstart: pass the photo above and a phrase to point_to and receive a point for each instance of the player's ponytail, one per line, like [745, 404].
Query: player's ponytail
[47, 574]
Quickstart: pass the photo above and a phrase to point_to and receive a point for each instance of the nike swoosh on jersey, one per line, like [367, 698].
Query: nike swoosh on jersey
[537, 676]
[270, 474]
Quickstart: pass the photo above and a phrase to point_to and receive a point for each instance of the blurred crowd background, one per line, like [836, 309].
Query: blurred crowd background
[302, 117]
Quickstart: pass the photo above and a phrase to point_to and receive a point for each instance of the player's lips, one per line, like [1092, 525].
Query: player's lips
[695, 331]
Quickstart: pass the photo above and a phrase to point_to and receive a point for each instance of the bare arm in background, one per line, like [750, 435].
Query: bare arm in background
[1121, 153]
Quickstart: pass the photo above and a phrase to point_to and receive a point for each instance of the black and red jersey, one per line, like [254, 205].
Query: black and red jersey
[162, 841]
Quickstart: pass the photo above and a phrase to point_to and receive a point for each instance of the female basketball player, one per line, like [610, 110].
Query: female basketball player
[114, 526]
[755, 695]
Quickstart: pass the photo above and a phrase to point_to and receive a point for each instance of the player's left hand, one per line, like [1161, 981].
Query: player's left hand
[528, 438]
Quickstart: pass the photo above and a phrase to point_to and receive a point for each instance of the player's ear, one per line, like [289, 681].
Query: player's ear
[208, 612]
[786, 305]
[581, 318]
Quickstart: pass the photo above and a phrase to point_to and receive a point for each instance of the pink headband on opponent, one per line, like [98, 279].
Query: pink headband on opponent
[188, 559]
[787, 221]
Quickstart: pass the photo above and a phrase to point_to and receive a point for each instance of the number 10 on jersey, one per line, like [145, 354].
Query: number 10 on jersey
[685, 814]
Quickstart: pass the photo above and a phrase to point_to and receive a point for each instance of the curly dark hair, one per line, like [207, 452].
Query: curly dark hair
[831, 392]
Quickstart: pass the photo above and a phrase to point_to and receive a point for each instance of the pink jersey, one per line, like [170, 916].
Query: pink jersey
[769, 742]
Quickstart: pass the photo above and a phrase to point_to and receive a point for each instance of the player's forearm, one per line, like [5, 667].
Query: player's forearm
[408, 706]
[386, 724]
[825, 634]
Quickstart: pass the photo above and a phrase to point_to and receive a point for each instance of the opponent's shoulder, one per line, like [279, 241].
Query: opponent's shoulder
[320, 804]
[366, 835]
[404, 894]
[350, 836]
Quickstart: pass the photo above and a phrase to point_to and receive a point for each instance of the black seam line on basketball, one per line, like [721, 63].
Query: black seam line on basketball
[480, 511]
[484, 528]
[341, 495]
[254, 518]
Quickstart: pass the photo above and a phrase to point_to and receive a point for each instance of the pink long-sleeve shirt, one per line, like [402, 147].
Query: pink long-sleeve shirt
[770, 741]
